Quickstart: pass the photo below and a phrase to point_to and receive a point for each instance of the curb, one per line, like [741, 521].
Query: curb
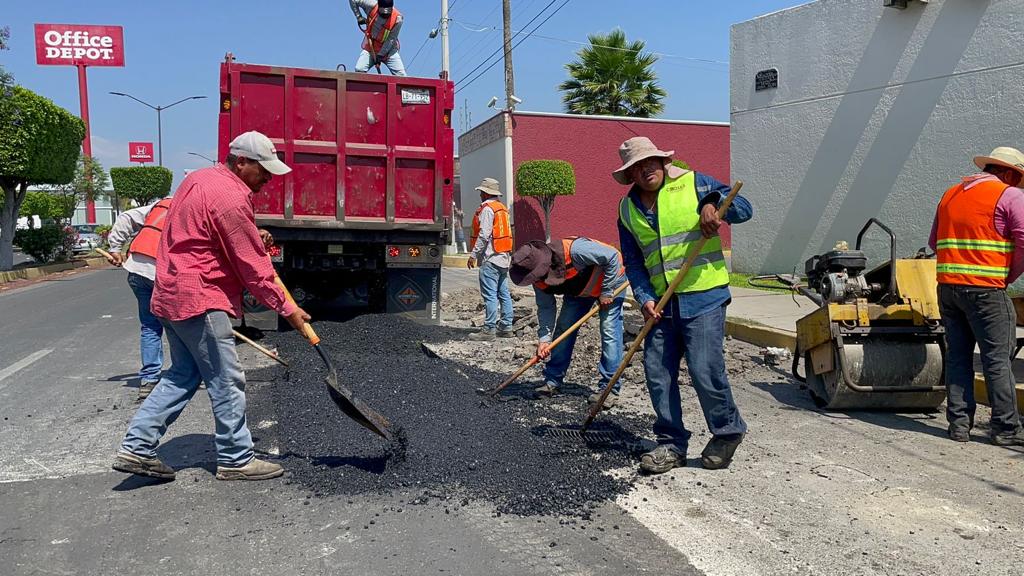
[981, 391]
[454, 261]
[759, 334]
[35, 272]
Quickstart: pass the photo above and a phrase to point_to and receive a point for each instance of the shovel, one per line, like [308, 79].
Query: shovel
[533, 361]
[669, 294]
[340, 394]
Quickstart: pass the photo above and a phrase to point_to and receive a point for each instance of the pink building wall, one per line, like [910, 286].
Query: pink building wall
[591, 145]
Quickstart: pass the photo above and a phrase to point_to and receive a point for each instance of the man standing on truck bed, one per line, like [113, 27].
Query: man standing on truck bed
[210, 251]
[491, 249]
[381, 22]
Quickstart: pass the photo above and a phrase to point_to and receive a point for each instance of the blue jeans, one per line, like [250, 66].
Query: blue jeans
[700, 341]
[202, 349]
[151, 345]
[393, 62]
[494, 290]
[574, 308]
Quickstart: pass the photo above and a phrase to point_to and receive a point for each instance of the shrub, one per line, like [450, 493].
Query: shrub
[45, 243]
[143, 184]
[545, 180]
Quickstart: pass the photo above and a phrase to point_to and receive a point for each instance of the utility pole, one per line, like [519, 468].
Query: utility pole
[510, 83]
[445, 64]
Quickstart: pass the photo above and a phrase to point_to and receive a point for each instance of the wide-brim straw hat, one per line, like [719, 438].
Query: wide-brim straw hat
[1003, 156]
[634, 150]
[489, 186]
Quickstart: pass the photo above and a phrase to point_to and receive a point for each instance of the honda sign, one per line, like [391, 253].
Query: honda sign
[76, 44]
[140, 151]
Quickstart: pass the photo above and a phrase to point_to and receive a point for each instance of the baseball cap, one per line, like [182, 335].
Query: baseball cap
[255, 146]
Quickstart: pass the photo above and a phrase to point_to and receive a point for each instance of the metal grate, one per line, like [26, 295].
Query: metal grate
[597, 436]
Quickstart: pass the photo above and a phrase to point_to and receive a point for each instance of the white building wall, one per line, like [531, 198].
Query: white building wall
[488, 161]
[877, 112]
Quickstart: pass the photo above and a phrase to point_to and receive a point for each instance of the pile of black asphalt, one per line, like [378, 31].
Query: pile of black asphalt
[453, 444]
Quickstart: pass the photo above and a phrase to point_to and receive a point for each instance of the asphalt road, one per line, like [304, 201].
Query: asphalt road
[67, 391]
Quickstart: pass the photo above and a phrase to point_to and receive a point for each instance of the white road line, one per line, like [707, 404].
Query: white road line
[22, 364]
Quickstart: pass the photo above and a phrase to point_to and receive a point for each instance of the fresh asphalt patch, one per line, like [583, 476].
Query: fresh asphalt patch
[452, 446]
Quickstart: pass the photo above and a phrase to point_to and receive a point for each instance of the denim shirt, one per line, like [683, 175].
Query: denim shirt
[584, 253]
[689, 304]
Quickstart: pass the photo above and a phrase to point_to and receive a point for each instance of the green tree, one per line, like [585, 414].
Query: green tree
[613, 77]
[143, 184]
[39, 144]
[90, 181]
[545, 180]
[6, 80]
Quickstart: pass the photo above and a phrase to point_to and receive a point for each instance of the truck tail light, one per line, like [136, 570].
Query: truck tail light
[276, 253]
[394, 251]
[447, 118]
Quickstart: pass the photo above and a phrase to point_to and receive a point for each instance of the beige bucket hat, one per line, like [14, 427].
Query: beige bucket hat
[489, 186]
[634, 150]
[1003, 156]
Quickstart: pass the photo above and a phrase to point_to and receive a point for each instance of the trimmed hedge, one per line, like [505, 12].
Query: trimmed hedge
[539, 178]
[143, 184]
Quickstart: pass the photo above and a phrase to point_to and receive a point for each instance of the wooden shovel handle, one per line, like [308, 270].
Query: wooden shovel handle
[307, 329]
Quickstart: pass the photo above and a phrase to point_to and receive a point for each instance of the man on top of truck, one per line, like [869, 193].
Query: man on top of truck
[381, 22]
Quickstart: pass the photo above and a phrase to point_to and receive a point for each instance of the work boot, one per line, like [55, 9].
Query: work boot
[506, 334]
[135, 464]
[958, 434]
[146, 388]
[482, 336]
[1012, 439]
[718, 453]
[545, 390]
[609, 402]
[661, 460]
[256, 469]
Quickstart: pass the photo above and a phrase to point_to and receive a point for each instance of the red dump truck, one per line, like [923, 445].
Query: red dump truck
[365, 212]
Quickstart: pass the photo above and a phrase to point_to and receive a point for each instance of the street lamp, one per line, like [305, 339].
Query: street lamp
[159, 130]
[203, 157]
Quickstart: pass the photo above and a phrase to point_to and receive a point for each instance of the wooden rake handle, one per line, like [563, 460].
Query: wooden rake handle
[669, 293]
[561, 337]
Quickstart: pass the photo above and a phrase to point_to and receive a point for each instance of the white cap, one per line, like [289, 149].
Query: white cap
[255, 146]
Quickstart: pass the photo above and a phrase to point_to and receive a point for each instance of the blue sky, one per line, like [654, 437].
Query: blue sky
[173, 50]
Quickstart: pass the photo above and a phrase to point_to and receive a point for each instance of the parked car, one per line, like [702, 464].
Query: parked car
[87, 239]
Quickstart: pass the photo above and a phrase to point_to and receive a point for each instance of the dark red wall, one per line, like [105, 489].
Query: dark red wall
[591, 146]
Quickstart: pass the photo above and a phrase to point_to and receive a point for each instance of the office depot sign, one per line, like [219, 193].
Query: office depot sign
[79, 45]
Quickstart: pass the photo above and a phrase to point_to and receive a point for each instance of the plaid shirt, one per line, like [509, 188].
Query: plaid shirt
[210, 250]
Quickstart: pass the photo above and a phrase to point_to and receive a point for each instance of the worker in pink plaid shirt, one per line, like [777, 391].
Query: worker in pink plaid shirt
[210, 251]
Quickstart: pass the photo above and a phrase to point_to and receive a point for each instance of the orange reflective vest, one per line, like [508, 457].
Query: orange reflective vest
[576, 282]
[372, 43]
[148, 239]
[501, 233]
[969, 249]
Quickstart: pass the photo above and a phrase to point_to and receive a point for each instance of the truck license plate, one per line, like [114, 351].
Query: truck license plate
[415, 96]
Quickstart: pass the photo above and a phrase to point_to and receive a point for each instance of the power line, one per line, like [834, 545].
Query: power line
[465, 56]
[484, 28]
[502, 47]
[418, 50]
[521, 40]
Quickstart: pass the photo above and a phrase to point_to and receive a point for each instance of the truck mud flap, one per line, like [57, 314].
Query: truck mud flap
[415, 293]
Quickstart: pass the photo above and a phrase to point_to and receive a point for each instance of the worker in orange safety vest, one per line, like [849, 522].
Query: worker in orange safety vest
[381, 23]
[491, 250]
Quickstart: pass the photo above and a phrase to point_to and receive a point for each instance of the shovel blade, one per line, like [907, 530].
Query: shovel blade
[356, 409]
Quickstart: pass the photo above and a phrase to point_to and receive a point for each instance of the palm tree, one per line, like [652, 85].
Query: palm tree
[613, 77]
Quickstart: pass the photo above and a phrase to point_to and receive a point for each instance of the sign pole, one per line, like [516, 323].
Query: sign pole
[83, 97]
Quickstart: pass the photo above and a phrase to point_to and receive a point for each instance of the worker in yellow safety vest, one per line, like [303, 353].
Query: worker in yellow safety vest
[666, 212]
[978, 238]
[491, 250]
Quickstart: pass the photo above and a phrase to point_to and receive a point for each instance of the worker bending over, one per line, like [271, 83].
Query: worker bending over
[664, 215]
[583, 272]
